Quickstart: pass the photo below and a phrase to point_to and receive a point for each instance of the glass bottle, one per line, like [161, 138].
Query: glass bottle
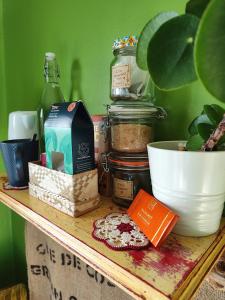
[51, 94]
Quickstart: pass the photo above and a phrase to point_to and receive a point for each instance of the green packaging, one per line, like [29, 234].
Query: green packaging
[69, 138]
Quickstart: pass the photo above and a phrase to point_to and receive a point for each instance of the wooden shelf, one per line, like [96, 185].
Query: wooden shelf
[173, 271]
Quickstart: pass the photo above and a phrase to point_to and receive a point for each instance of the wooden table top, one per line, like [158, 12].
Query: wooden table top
[171, 272]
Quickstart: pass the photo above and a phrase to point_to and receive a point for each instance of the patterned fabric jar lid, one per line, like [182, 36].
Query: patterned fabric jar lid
[128, 40]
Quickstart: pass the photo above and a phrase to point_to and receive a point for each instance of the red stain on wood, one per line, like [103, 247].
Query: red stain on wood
[169, 259]
[138, 257]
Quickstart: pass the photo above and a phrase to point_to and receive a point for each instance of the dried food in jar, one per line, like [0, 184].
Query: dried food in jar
[130, 173]
[132, 125]
[131, 137]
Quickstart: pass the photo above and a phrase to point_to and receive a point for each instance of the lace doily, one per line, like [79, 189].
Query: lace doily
[119, 232]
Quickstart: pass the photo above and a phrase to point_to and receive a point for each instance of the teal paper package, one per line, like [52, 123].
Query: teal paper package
[69, 138]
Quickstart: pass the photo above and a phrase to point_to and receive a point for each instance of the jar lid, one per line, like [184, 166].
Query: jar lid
[129, 160]
[126, 41]
[98, 118]
[136, 109]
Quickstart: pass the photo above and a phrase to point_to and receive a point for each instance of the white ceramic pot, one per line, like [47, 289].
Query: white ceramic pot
[191, 183]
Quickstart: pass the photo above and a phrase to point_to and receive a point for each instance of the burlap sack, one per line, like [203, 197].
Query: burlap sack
[56, 274]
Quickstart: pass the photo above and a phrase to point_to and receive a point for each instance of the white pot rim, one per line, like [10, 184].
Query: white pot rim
[163, 146]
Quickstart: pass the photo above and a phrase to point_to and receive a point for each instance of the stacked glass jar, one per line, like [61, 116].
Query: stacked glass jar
[131, 120]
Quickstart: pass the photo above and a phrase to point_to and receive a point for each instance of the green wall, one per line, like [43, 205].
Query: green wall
[6, 241]
[81, 34]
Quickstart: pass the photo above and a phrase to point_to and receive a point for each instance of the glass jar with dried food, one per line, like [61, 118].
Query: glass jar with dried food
[130, 173]
[132, 125]
[128, 81]
[101, 135]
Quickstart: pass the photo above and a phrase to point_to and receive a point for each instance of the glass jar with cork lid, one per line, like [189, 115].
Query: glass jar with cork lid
[132, 125]
[128, 81]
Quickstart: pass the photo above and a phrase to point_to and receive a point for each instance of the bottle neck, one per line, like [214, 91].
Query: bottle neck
[51, 72]
[126, 51]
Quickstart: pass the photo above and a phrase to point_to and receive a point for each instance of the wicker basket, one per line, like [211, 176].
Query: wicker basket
[71, 194]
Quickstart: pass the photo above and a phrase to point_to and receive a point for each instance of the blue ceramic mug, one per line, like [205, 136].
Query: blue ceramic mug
[16, 155]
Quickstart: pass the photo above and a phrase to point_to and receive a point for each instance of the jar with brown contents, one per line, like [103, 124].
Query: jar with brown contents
[131, 137]
[132, 126]
[130, 173]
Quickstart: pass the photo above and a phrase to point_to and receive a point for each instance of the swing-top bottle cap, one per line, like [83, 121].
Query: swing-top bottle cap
[50, 55]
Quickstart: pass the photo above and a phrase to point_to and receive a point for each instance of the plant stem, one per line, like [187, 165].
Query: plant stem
[214, 138]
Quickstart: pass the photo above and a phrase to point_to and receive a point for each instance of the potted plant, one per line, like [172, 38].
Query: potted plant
[178, 49]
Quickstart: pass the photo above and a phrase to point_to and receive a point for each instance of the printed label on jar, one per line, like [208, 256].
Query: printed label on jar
[121, 76]
[123, 189]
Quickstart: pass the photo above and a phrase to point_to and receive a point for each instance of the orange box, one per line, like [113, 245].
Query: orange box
[154, 219]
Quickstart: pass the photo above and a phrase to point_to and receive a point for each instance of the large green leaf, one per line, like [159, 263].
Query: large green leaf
[202, 119]
[210, 49]
[170, 53]
[205, 130]
[220, 110]
[147, 33]
[215, 113]
[196, 7]
[194, 143]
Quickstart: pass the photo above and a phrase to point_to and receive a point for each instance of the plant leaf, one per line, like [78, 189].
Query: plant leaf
[205, 130]
[220, 110]
[196, 7]
[193, 127]
[147, 33]
[214, 114]
[194, 143]
[210, 49]
[170, 53]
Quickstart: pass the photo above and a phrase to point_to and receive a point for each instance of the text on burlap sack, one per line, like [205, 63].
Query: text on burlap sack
[64, 260]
